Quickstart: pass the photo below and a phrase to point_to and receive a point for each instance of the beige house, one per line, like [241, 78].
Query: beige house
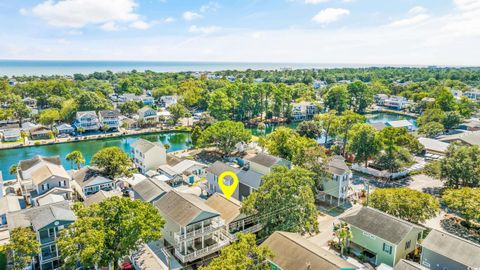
[263, 163]
[148, 155]
[193, 230]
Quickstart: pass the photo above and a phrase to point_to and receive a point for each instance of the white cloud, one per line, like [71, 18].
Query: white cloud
[315, 2]
[140, 25]
[330, 15]
[169, 20]
[108, 14]
[411, 21]
[417, 10]
[190, 16]
[203, 30]
[211, 6]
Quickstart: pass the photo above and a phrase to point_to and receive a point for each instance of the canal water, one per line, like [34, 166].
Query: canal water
[176, 140]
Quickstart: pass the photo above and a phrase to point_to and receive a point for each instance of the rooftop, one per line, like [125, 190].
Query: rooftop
[229, 209]
[144, 146]
[150, 189]
[265, 159]
[41, 216]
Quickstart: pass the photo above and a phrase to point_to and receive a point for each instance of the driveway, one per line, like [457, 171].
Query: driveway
[425, 183]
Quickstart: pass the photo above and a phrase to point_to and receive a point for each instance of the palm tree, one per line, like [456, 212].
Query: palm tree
[344, 235]
[76, 157]
[13, 169]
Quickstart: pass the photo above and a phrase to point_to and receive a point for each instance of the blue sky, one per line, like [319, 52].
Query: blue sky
[442, 32]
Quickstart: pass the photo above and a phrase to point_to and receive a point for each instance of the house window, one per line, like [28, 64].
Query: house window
[408, 244]
[387, 248]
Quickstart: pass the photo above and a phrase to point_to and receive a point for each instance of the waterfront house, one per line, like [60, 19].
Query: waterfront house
[87, 120]
[64, 129]
[336, 188]
[304, 110]
[293, 252]
[11, 135]
[129, 123]
[400, 124]
[380, 237]
[466, 138]
[213, 172]
[395, 102]
[193, 230]
[167, 101]
[470, 125]
[235, 221]
[110, 118]
[41, 176]
[148, 155]
[380, 99]
[40, 133]
[90, 180]
[27, 126]
[147, 114]
[47, 222]
[473, 94]
[444, 251]
[150, 190]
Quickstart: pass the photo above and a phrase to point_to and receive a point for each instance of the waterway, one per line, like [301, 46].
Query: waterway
[176, 140]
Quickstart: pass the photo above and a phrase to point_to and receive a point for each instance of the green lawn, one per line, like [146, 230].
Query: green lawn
[3, 261]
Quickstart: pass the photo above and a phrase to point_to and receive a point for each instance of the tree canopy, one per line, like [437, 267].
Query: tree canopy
[461, 166]
[113, 161]
[464, 200]
[224, 135]
[22, 246]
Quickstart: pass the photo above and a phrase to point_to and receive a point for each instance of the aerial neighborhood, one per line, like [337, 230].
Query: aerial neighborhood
[292, 169]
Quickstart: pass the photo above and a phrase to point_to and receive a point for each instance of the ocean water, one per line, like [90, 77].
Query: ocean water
[67, 67]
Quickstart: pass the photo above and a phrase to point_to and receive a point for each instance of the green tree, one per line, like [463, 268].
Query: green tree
[48, 117]
[92, 101]
[432, 129]
[242, 254]
[67, 112]
[113, 161]
[22, 246]
[452, 120]
[445, 100]
[178, 111]
[286, 143]
[76, 157]
[106, 232]
[219, 105]
[337, 98]
[310, 129]
[347, 120]
[329, 121]
[363, 142]
[461, 166]
[343, 234]
[224, 135]
[360, 96]
[195, 135]
[464, 200]
[13, 169]
[286, 200]
[130, 107]
[431, 115]
[405, 203]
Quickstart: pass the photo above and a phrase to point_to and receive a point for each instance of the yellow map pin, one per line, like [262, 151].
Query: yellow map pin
[228, 190]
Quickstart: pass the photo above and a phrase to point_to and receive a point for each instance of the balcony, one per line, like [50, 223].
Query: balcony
[180, 237]
[200, 253]
[47, 240]
[48, 256]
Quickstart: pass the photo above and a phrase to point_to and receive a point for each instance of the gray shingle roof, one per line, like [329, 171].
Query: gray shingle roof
[109, 113]
[380, 224]
[265, 159]
[183, 208]
[453, 247]
[338, 166]
[41, 216]
[293, 252]
[219, 167]
[87, 175]
[149, 189]
[408, 265]
[144, 146]
[250, 178]
[29, 163]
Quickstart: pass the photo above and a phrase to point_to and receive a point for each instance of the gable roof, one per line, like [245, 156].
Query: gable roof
[293, 252]
[109, 113]
[149, 189]
[380, 224]
[408, 265]
[48, 170]
[453, 247]
[469, 137]
[100, 196]
[337, 166]
[41, 216]
[85, 113]
[144, 146]
[219, 167]
[265, 160]
[89, 176]
[229, 209]
[50, 198]
[26, 164]
[183, 208]
[250, 178]
[433, 145]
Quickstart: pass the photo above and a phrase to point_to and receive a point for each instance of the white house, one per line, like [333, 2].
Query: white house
[304, 110]
[473, 95]
[87, 120]
[147, 114]
[456, 93]
[64, 129]
[11, 135]
[110, 118]
[167, 101]
[336, 188]
[148, 155]
[395, 102]
[91, 180]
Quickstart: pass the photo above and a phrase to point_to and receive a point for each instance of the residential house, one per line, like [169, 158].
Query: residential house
[473, 94]
[213, 172]
[147, 114]
[150, 190]
[304, 110]
[40, 133]
[90, 180]
[147, 100]
[457, 94]
[64, 129]
[293, 252]
[41, 176]
[47, 222]
[433, 147]
[380, 237]
[408, 265]
[263, 163]
[9, 204]
[167, 101]
[192, 229]
[148, 155]
[395, 102]
[129, 123]
[466, 138]
[319, 84]
[400, 124]
[379, 126]
[380, 99]
[337, 187]
[27, 126]
[30, 102]
[182, 170]
[109, 118]
[87, 120]
[101, 196]
[444, 251]
[235, 221]
[11, 135]
[49, 199]
[470, 125]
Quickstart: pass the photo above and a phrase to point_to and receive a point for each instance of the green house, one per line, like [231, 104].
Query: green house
[380, 237]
